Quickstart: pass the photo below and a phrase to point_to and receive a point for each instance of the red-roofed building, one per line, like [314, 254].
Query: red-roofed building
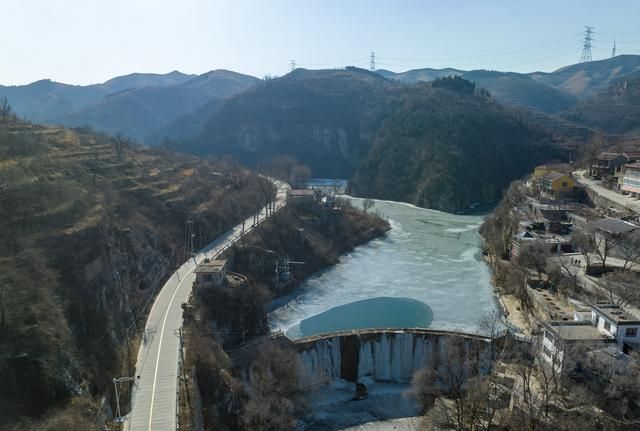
[632, 156]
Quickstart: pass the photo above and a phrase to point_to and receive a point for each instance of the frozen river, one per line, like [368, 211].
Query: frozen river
[428, 256]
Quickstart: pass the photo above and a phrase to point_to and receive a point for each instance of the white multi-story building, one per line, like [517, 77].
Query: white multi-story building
[615, 322]
[565, 342]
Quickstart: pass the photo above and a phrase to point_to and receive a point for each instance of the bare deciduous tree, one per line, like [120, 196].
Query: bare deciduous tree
[629, 247]
[534, 256]
[622, 288]
[454, 387]
[120, 144]
[5, 108]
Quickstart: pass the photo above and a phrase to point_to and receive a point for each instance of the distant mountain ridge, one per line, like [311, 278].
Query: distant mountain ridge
[42, 100]
[615, 109]
[139, 112]
[151, 107]
[541, 91]
[136, 104]
[586, 79]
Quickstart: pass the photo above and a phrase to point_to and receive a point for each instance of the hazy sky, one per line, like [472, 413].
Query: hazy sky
[89, 41]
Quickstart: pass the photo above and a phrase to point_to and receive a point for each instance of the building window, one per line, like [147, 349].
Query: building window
[631, 332]
[607, 326]
[547, 352]
[565, 184]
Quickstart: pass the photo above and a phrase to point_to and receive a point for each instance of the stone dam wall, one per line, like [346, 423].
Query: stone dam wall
[391, 355]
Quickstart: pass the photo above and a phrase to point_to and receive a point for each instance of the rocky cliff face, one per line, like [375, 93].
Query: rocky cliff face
[317, 117]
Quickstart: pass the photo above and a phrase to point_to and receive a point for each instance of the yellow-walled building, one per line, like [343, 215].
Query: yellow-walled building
[555, 182]
[541, 171]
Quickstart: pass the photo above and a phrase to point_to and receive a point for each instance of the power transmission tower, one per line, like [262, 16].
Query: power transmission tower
[613, 51]
[372, 61]
[586, 47]
[292, 65]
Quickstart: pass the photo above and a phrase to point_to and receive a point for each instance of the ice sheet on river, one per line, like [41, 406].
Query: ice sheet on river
[430, 256]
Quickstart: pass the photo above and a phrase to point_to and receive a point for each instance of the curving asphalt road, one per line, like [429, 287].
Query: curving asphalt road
[154, 401]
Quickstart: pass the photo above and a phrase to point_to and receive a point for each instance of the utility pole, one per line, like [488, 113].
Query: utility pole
[292, 65]
[283, 270]
[372, 61]
[613, 51]
[586, 47]
[117, 380]
[188, 240]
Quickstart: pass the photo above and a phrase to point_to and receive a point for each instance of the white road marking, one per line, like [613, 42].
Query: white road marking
[164, 322]
[233, 234]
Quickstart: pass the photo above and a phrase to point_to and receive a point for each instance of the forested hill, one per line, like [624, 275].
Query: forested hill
[447, 147]
[92, 226]
[614, 110]
[319, 117]
[421, 143]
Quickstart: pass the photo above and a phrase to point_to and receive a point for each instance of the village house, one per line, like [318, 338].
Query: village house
[631, 179]
[526, 239]
[565, 343]
[556, 183]
[632, 156]
[211, 273]
[541, 171]
[613, 321]
[295, 196]
[607, 164]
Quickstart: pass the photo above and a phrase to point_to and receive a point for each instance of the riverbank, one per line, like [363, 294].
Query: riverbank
[232, 368]
[312, 238]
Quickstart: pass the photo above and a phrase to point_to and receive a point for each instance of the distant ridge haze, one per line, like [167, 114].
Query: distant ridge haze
[136, 104]
[149, 106]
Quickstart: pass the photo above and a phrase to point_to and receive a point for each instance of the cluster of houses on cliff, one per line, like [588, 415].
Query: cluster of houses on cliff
[553, 210]
[620, 170]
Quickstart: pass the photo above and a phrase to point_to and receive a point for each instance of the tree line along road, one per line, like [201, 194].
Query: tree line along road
[154, 395]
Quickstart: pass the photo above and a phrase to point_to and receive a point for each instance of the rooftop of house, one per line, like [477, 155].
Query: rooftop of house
[300, 192]
[211, 266]
[575, 330]
[608, 156]
[616, 314]
[553, 175]
[553, 166]
[633, 166]
[613, 225]
[554, 215]
[632, 155]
